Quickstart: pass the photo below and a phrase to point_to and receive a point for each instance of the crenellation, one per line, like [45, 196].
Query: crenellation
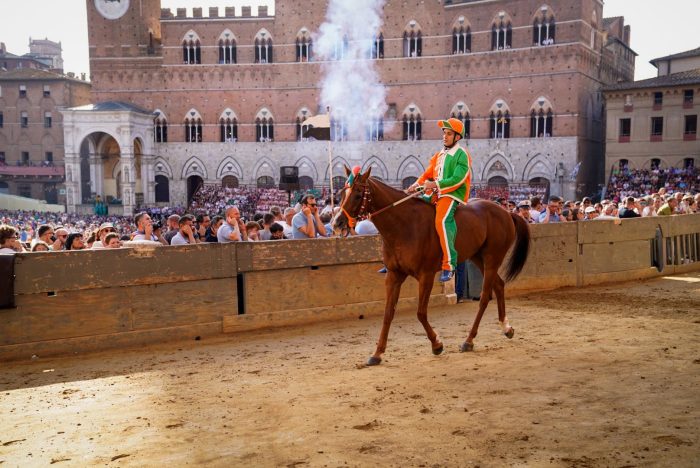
[166, 13]
[213, 12]
[182, 13]
[246, 11]
[230, 12]
[262, 11]
[197, 12]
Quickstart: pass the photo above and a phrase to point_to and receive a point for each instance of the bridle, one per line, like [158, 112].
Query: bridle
[366, 200]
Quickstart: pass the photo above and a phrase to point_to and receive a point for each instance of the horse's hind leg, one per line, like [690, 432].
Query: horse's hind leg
[489, 278]
[499, 287]
[425, 287]
[393, 284]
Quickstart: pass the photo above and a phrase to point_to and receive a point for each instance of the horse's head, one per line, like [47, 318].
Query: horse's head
[354, 200]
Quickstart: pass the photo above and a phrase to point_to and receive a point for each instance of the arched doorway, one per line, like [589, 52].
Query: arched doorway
[498, 181]
[265, 182]
[86, 189]
[306, 183]
[338, 182]
[408, 181]
[194, 182]
[4, 188]
[50, 193]
[229, 181]
[540, 186]
[162, 189]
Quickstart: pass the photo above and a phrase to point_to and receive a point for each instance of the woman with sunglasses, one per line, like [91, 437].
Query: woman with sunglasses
[9, 240]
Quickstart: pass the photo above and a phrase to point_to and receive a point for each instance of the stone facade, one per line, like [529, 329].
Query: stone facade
[138, 59]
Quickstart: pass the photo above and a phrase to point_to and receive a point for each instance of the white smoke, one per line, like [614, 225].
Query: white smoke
[351, 85]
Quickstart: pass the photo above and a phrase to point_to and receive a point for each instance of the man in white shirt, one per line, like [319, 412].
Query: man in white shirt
[233, 229]
[186, 234]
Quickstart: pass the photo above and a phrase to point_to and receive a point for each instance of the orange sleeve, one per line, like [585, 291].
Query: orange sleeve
[430, 171]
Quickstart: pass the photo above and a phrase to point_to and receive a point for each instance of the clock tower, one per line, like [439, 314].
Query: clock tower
[123, 31]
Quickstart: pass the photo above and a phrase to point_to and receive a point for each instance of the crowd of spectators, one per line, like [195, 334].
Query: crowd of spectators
[516, 193]
[625, 182]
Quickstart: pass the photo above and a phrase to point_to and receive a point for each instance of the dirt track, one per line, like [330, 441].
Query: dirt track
[605, 376]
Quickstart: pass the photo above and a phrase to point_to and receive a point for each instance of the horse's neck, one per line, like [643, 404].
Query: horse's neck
[387, 221]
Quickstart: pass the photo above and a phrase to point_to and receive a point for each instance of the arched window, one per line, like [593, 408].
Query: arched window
[306, 183]
[375, 129]
[229, 181]
[461, 111]
[541, 118]
[162, 189]
[160, 127]
[191, 50]
[499, 120]
[412, 40]
[265, 182]
[228, 126]
[263, 47]
[412, 125]
[340, 49]
[227, 47]
[501, 33]
[339, 129]
[688, 163]
[264, 126]
[461, 37]
[302, 115]
[193, 127]
[655, 164]
[377, 51]
[408, 181]
[543, 28]
[304, 49]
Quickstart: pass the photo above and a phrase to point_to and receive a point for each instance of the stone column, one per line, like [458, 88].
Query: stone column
[148, 179]
[73, 193]
[97, 175]
[128, 174]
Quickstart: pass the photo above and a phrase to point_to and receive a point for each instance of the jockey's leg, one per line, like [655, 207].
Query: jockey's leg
[447, 230]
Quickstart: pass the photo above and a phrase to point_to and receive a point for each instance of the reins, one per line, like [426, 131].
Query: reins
[366, 199]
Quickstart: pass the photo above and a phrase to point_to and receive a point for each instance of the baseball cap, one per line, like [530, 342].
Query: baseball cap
[106, 226]
[590, 209]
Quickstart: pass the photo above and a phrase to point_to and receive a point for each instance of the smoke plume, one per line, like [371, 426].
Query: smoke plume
[351, 85]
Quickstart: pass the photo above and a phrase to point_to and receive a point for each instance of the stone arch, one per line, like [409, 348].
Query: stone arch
[228, 35]
[538, 166]
[377, 165]
[410, 167]
[497, 165]
[307, 168]
[162, 167]
[339, 164]
[229, 166]
[194, 166]
[264, 167]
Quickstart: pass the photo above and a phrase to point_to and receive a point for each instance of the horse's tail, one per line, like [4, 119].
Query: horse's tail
[518, 256]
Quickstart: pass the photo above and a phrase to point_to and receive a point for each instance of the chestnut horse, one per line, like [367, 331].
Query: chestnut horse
[485, 233]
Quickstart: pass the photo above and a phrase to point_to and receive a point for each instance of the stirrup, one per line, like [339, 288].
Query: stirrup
[446, 275]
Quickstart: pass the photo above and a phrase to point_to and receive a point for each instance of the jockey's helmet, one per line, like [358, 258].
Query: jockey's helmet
[453, 124]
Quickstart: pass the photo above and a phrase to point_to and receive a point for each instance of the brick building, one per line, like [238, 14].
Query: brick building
[228, 91]
[31, 130]
[653, 123]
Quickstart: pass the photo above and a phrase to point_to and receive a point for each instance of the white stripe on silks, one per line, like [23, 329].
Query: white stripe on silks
[444, 233]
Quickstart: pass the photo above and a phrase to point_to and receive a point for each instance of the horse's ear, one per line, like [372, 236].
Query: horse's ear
[365, 176]
[347, 170]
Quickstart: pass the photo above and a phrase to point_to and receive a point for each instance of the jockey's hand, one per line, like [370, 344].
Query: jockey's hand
[413, 187]
[430, 185]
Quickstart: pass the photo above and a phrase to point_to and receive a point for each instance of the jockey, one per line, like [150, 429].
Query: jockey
[448, 176]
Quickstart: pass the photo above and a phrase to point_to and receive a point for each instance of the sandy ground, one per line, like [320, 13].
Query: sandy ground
[605, 376]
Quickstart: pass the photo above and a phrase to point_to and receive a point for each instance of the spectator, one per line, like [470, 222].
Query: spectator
[551, 212]
[631, 209]
[254, 232]
[535, 209]
[203, 223]
[210, 235]
[233, 229]
[523, 211]
[186, 234]
[277, 232]
[75, 241]
[40, 246]
[287, 225]
[668, 208]
[158, 233]
[102, 233]
[307, 224]
[9, 240]
[112, 241]
[144, 228]
[60, 242]
[591, 213]
[267, 220]
[45, 234]
[173, 227]
[325, 218]
[365, 228]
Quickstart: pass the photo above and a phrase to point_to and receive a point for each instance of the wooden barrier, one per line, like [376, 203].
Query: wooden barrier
[75, 302]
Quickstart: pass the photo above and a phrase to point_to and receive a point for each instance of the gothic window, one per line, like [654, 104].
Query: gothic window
[541, 118]
[461, 111]
[377, 51]
[48, 121]
[227, 47]
[191, 49]
[501, 34]
[340, 49]
[375, 129]
[160, 127]
[339, 129]
[304, 50]
[461, 37]
[412, 124]
[263, 47]
[228, 127]
[302, 115]
[543, 28]
[412, 40]
[193, 127]
[264, 126]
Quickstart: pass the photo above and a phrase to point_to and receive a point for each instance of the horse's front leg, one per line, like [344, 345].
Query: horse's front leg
[393, 283]
[425, 287]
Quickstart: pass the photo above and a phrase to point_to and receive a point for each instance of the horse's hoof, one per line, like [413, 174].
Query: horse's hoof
[509, 334]
[466, 347]
[374, 361]
[438, 351]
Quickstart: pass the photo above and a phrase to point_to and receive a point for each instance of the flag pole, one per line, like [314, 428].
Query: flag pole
[330, 160]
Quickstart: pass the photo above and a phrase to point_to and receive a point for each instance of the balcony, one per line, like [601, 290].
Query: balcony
[49, 172]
